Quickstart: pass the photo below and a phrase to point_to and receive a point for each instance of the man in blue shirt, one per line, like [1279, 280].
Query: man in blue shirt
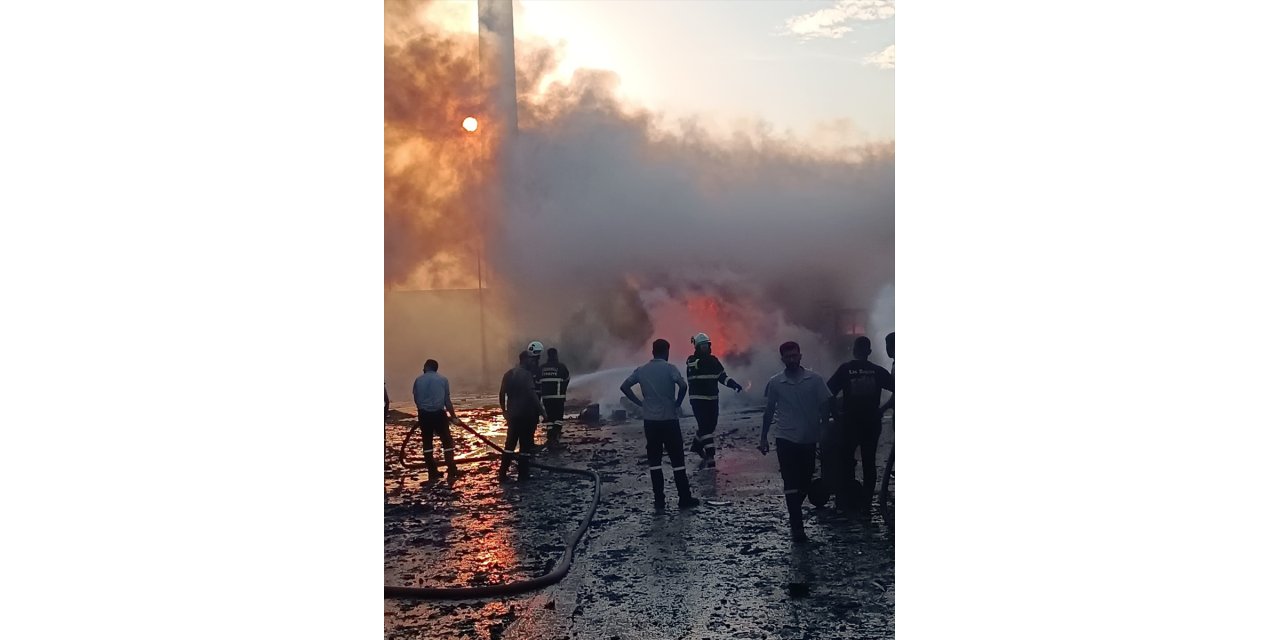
[660, 408]
[435, 410]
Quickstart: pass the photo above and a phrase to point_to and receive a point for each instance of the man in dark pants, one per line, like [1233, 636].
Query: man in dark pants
[435, 410]
[860, 382]
[518, 398]
[554, 381]
[658, 380]
[888, 465]
[706, 374]
[801, 404]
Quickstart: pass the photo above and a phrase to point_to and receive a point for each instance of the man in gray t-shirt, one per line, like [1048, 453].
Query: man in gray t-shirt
[658, 380]
[798, 398]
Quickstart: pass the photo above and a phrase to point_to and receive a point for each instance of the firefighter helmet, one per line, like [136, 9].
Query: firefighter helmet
[700, 338]
[535, 348]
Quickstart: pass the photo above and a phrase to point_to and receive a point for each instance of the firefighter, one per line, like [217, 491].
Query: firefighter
[534, 361]
[706, 374]
[532, 364]
[554, 381]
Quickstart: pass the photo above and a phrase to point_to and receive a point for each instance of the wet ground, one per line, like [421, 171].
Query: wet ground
[717, 571]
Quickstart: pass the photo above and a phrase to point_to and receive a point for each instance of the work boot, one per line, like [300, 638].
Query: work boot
[659, 486]
[682, 488]
[796, 516]
[696, 447]
[449, 464]
[522, 467]
[504, 465]
[818, 494]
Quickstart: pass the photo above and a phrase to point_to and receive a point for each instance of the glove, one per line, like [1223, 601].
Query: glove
[737, 388]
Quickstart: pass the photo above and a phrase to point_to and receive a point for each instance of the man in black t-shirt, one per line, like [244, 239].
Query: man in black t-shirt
[859, 381]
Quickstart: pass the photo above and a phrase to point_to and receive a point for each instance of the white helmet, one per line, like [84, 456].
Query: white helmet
[535, 348]
[700, 338]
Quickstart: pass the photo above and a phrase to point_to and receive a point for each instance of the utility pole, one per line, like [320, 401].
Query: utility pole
[484, 351]
[497, 54]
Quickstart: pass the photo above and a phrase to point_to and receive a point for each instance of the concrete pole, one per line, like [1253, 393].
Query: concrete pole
[497, 54]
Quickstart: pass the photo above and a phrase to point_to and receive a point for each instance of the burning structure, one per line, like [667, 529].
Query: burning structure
[570, 217]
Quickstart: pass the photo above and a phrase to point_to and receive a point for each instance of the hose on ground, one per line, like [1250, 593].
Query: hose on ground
[557, 573]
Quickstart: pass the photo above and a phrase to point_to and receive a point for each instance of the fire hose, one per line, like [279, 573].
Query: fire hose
[557, 573]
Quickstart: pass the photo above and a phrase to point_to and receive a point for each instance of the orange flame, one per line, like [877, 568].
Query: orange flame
[726, 325]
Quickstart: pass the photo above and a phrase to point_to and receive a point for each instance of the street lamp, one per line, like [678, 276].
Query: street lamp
[470, 125]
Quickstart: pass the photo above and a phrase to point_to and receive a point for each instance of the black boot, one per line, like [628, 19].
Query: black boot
[796, 517]
[433, 473]
[659, 494]
[506, 464]
[682, 487]
[449, 465]
[522, 467]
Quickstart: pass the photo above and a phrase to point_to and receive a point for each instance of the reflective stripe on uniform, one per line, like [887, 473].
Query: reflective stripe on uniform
[705, 376]
[709, 437]
[553, 397]
[791, 491]
[657, 468]
[677, 468]
[551, 379]
[704, 397]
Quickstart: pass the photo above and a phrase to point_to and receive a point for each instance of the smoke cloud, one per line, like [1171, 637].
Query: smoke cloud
[614, 229]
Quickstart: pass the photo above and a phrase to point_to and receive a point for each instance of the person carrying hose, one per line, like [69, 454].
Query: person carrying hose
[518, 398]
[658, 380]
[435, 410]
[706, 374]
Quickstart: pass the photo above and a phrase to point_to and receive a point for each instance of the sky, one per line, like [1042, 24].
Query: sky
[808, 67]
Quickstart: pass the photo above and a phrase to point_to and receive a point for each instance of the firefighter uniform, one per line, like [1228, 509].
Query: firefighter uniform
[553, 382]
[705, 375]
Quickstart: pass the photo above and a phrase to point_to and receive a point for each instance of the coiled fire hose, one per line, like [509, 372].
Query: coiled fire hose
[557, 573]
